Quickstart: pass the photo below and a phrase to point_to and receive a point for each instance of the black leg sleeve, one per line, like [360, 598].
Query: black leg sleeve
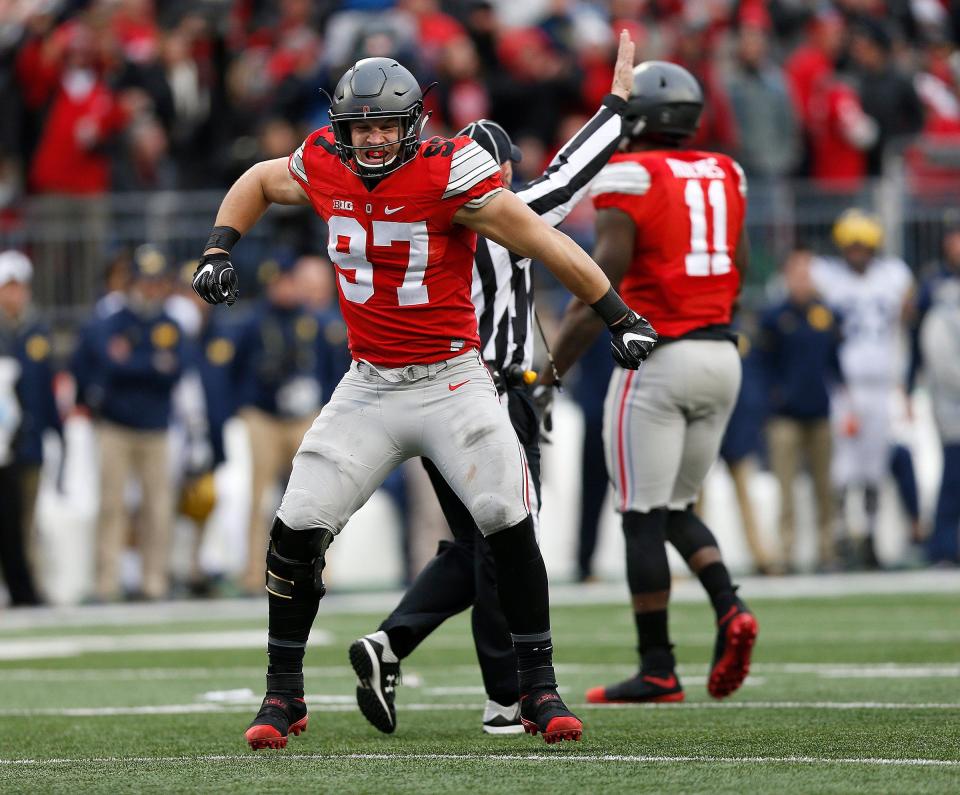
[648, 570]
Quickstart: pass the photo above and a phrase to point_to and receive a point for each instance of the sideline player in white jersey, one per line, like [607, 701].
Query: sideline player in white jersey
[403, 215]
[872, 293]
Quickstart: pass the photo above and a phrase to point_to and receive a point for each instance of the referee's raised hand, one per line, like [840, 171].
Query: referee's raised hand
[623, 70]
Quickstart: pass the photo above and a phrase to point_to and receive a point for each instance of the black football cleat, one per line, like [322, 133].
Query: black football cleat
[736, 635]
[647, 687]
[279, 716]
[543, 712]
[378, 682]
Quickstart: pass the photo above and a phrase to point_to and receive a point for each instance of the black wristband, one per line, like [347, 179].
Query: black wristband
[616, 103]
[224, 237]
[611, 308]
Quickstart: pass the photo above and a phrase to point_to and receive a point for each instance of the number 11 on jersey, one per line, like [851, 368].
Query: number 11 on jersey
[704, 259]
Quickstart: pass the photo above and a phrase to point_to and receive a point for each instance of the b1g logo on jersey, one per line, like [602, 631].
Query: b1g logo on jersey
[343, 204]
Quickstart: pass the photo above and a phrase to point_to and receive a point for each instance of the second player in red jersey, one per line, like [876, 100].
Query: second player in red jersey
[412, 306]
[689, 207]
[670, 232]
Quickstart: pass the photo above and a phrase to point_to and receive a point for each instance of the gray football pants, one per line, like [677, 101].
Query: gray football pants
[663, 423]
[377, 417]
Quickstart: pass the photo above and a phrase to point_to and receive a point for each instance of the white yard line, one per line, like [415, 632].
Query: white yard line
[73, 645]
[845, 670]
[684, 590]
[551, 758]
[345, 704]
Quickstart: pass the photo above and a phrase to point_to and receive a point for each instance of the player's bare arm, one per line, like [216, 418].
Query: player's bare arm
[580, 325]
[266, 183]
[508, 221]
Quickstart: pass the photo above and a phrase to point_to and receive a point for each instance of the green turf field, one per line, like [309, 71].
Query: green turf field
[852, 694]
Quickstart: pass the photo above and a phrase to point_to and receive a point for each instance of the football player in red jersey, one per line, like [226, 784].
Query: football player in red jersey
[403, 215]
[670, 233]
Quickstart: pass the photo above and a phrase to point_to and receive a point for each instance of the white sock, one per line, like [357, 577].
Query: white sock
[383, 639]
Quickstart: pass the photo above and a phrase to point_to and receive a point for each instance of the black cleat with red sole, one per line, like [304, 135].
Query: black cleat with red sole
[736, 635]
[647, 687]
[543, 712]
[279, 716]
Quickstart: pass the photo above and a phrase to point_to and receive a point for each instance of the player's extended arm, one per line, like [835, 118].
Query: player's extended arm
[266, 183]
[508, 221]
[580, 327]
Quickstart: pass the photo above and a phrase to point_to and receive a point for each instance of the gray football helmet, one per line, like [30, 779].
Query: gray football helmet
[665, 103]
[377, 88]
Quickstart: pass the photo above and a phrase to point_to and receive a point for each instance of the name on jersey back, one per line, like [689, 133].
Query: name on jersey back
[696, 169]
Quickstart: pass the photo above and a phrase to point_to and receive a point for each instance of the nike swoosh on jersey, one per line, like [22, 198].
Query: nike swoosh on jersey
[392, 210]
[453, 387]
[630, 336]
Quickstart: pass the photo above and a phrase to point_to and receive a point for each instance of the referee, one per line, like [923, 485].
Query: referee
[461, 575]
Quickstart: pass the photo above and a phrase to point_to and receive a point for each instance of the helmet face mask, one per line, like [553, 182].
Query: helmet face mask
[377, 89]
[665, 104]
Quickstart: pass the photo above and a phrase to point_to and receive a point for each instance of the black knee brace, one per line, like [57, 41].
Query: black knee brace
[687, 533]
[295, 561]
[647, 567]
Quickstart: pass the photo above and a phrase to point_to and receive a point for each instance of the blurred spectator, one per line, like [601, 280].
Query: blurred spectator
[799, 342]
[461, 96]
[138, 358]
[814, 61]
[872, 293]
[841, 134]
[742, 443]
[284, 367]
[23, 332]
[886, 94]
[436, 31]
[61, 73]
[537, 85]
[937, 341]
[934, 159]
[26, 409]
[83, 113]
[940, 343]
[695, 51]
[768, 144]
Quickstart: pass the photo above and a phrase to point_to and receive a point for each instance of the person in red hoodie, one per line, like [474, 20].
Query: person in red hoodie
[83, 115]
[69, 173]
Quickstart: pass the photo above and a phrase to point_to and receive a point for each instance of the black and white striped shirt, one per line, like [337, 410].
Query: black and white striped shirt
[502, 282]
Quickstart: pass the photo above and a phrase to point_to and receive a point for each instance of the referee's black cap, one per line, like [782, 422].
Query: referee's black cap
[492, 137]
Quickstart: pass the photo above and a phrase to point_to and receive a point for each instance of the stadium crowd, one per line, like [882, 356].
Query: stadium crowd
[104, 95]
[111, 96]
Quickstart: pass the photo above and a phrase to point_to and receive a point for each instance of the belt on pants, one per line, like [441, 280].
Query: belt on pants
[411, 372]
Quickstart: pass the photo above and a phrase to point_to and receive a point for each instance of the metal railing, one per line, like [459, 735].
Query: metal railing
[71, 238]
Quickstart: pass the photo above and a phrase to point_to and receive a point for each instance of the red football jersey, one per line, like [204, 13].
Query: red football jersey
[689, 208]
[404, 268]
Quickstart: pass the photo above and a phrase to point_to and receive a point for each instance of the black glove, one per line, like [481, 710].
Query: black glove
[633, 339]
[215, 280]
[542, 396]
